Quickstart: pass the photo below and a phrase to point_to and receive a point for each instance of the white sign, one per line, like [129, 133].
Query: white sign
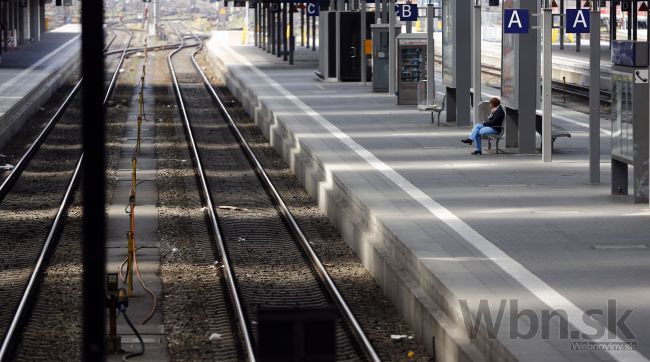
[641, 76]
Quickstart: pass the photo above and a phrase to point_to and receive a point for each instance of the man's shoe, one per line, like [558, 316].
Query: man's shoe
[477, 153]
[468, 141]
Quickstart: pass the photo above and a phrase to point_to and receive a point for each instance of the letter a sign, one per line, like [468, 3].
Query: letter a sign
[577, 21]
[515, 21]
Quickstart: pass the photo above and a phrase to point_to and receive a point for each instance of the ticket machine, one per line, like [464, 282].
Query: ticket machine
[630, 118]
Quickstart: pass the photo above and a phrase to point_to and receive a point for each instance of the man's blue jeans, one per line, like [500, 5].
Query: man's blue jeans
[479, 130]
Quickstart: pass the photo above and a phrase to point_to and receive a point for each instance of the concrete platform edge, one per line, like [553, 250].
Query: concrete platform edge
[15, 118]
[422, 300]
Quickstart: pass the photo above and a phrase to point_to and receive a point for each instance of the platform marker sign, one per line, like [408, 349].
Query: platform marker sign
[515, 21]
[577, 21]
[313, 9]
[407, 12]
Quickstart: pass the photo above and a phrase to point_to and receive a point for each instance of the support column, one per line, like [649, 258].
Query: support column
[292, 36]
[635, 18]
[578, 6]
[562, 30]
[313, 32]
[285, 50]
[278, 31]
[94, 182]
[256, 24]
[302, 27]
[307, 29]
[594, 94]
[364, 67]
[476, 59]
[391, 49]
[462, 58]
[547, 26]
[431, 69]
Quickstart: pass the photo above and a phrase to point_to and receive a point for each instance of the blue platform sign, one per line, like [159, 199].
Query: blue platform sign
[407, 12]
[577, 20]
[515, 21]
[313, 9]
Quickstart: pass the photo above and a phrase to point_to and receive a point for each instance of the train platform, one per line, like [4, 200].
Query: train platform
[451, 237]
[30, 74]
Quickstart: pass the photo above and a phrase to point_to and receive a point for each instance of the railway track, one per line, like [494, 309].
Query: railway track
[34, 200]
[266, 258]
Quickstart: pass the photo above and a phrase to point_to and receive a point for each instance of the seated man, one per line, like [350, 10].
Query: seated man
[491, 126]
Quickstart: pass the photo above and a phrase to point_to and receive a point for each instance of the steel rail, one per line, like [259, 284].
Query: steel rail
[345, 310]
[56, 224]
[20, 166]
[230, 280]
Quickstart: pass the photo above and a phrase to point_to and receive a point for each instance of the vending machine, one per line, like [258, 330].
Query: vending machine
[411, 65]
[630, 118]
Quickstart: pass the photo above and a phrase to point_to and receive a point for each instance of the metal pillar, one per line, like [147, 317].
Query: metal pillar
[462, 59]
[391, 48]
[255, 26]
[94, 182]
[594, 94]
[285, 51]
[307, 28]
[547, 117]
[612, 23]
[302, 27]
[337, 41]
[363, 42]
[292, 36]
[578, 6]
[562, 29]
[313, 33]
[278, 32]
[629, 23]
[409, 25]
[431, 70]
[476, 59]
[635, 16]
[270, 48]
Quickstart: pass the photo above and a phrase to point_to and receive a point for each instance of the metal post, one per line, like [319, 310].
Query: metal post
[431, 74]
[337, 41]
[629, 22]
[363, 42]
[292, 36]
[547, 21]
[377, 11]
[94, 183]
[302, 27]
[594, 94]
[285, 52]
[476, 59]
[391, 48]
[270, 48]
[307, 28]
[409, 25]
[278, 31]
[635, 17]
[313, 33]
[578, 6]
[562, 30]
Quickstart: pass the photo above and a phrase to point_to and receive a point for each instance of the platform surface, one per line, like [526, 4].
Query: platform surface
[490, 227]
[23, 69]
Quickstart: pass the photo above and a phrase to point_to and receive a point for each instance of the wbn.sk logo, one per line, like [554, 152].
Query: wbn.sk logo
[600, 323]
